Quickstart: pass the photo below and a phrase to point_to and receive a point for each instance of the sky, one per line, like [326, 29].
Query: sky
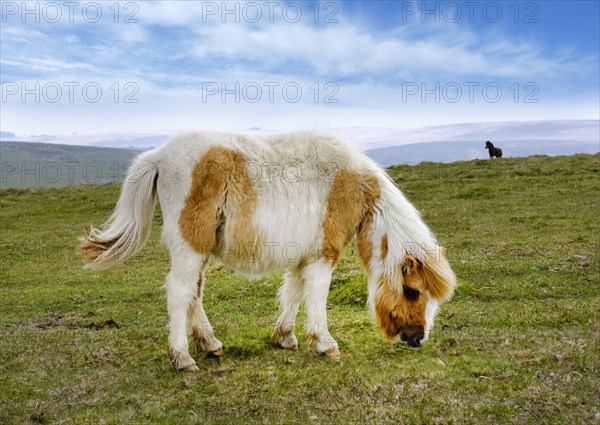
[99, 67]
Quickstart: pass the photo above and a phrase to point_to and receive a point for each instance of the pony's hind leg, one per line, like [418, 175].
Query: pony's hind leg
[290, 296]
[317, 277]
[181, 285]
[202, 331]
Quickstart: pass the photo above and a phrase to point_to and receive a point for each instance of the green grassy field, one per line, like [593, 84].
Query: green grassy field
[518, 343]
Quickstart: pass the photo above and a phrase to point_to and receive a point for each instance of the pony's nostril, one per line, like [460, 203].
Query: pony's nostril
[404, 336]
[415, 340]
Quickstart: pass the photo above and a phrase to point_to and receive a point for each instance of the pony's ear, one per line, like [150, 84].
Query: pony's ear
[439, 277]
[411, 265]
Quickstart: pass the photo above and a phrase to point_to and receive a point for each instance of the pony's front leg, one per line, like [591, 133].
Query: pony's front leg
[181, 291]
[317, 277]
[202, 331]
[290, 296]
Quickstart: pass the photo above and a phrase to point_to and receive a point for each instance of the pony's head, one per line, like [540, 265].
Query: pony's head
[406, 304]
[488, 145]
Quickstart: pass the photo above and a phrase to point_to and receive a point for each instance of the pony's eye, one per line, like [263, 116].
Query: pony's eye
[411, 293]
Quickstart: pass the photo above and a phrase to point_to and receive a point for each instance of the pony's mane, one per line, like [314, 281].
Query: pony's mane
[400, 223]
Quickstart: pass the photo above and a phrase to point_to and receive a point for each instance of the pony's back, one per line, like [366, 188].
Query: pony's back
[274, 194]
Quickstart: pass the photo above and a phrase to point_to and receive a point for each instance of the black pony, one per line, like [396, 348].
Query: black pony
[494, 152]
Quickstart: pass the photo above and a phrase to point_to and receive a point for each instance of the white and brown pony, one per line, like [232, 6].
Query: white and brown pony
[287, 202]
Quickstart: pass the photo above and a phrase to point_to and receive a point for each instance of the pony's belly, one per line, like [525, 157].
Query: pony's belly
[258, 260]
[272, 243]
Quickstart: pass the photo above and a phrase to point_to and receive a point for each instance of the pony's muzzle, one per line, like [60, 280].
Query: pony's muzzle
[413, 335]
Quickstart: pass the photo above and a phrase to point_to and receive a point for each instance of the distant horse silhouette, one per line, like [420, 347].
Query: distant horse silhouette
[494, 152]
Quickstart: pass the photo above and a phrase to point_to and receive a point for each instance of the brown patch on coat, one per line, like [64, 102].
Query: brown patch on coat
[200, 284]
[92, 248]
[364, 245]
[384, 247]
[217, 215]
[350, 208]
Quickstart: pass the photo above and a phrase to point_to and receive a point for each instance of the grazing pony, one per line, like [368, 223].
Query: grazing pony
[494, 152]
[288, 202]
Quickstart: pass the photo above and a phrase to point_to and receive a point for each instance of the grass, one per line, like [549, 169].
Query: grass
[518, 343]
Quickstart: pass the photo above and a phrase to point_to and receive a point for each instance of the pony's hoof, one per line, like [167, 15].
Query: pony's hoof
[191, 368]
[182, 361]
[333, 353]
[217, 353]
[289, 343]
[293, 347]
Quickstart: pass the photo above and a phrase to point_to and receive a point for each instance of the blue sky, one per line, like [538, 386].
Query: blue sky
[294, 65]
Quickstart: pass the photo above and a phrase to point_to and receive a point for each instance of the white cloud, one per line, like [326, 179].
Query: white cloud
[344, 50]
[173, 50]
[20, 35]
[45, 64]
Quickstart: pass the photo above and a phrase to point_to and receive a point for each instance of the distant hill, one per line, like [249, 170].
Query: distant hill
[140, 142]
[452, 151]
[585, 131]
[367, 138]
[26, 165]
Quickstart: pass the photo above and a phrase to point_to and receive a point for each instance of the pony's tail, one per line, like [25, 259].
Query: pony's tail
[128, 228]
